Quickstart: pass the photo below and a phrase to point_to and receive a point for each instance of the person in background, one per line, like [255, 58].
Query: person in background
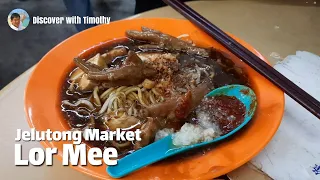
[80, 8]
[83, 8]
[16, 21]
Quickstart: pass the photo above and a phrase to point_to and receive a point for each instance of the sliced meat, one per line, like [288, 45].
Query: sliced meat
[122, 122]
[111, 55]
[184, 105]
[177, 109]
[132, 72]
[148, 133]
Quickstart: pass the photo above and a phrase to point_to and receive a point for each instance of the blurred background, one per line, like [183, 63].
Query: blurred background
[21, 50]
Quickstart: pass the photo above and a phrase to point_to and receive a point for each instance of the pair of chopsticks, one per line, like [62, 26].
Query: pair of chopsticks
[291, 89]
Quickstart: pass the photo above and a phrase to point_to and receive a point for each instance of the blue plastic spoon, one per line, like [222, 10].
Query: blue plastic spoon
[164, 148]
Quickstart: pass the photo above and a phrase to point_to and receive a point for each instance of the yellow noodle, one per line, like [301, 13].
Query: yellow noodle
[119, 89]
[125, 89]
[110, 103]
[120, 99]
[115, 104]
[116, 94]
[106, 93]
[145, 97]
[131, 98]
[112, 100]
[157, 96]
[105, 105]
[120, 104]
[151, 97]
[155, 91]
[123, 99]
[141, 98]
[96, 97]
[134, 95]
[121, 95]
[132, 89]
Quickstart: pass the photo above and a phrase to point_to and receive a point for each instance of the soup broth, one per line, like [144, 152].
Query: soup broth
[136, 83]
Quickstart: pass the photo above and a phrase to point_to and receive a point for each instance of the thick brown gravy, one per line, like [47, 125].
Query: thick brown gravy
[225, 74]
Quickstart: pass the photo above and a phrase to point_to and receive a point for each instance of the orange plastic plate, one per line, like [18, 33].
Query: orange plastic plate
[42, 104]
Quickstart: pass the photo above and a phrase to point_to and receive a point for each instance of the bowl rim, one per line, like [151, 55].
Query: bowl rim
[236, 165]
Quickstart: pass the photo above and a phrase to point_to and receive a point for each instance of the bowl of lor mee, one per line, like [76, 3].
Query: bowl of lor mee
[127, 74]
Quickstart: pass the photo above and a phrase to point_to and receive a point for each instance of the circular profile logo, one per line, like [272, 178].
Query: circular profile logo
[18, 19]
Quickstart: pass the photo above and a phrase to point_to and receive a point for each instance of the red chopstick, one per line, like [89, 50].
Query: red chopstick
[291, 89]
